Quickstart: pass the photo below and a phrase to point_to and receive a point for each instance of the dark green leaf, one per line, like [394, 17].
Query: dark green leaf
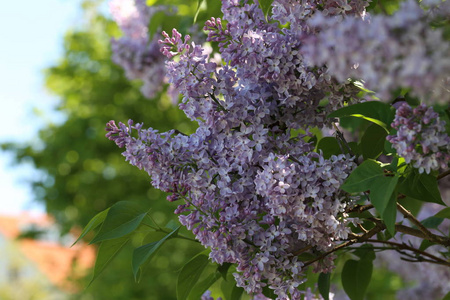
[324, 285]
[370, 176]
[432, 222]
[269, 293]
[365, 252]
[146, 252]
[377, 112]
[223, 269]
[446, 297]
[422, 187]
[122, 218]
[202, 286]
[190, 274]
[329, 146]
[390, 214]
[445, 213]
[372, 142]
[93, 223]
[356, 276]
[106, 252]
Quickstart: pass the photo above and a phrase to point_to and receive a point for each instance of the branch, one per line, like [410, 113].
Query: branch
[427, 234]
[356, 239]
[436, 259]
[442, 175]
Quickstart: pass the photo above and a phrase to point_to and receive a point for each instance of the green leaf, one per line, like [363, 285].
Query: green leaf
[199, 5]
[445, 213]
[356, 276]
[432, 222]
[422, 187]
[230, 290]
[201, 287]
[425, 244]
[329, 146]
[365, 252]
[324, 285]
[223, 269]
[376, 112]
[189, 275]
[372, 142]
[93, 223]
[122, 218]
[106, 252]
[390, 214]
[146, 252]
[370, 176]
[446, 297]
[269, 293]
[265, 6]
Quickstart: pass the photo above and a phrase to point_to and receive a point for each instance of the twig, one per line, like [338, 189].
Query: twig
[436, 259]
[359, 239]
[360, 208]
[427, 234]
[442, 175]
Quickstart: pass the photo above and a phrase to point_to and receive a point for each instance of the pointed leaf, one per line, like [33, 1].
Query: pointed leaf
[93, 223]
[106, 252]
[361, 179]
[422, 187]
[146, 252]
[445, 213]
[189, 275]
[122, 218]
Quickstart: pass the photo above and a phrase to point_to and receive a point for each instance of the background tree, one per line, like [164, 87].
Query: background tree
[83, 173]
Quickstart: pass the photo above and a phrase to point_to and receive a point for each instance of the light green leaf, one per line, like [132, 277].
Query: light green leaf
[93, 223]
[265, 6]
[189, 275]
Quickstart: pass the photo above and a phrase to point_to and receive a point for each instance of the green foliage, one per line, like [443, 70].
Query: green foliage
[190, 274]
[356, 274]
[422, 187]
[376, 112]
[323, 285]
[369, 176]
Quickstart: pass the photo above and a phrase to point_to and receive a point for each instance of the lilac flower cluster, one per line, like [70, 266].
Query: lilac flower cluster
[252, 188]
[421, 138]
[135, 52]
[386, 52]
[254, 192]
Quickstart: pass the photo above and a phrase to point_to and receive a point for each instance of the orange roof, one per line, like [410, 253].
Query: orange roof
[57, 262]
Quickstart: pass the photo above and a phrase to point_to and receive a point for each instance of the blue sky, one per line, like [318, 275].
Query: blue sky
[31, 34]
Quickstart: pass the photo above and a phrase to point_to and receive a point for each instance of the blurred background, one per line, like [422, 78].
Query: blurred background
[58, 89]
